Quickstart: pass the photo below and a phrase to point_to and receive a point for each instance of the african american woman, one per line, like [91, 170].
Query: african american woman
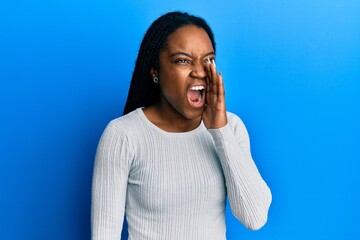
[176, 154]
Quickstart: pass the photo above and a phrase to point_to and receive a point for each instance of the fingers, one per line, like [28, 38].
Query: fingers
[221, 85]
[211, 71]
[214, 80]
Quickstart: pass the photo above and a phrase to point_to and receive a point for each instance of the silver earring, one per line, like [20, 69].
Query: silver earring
[156, 80]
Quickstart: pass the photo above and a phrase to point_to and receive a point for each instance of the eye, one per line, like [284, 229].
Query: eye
[206, 60]
[183, 61]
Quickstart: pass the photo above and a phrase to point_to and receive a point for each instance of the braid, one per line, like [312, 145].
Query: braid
[143, 92]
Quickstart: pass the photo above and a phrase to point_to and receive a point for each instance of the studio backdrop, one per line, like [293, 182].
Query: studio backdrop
[291, 71]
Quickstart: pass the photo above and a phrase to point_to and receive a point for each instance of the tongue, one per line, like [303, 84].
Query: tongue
[193, 95]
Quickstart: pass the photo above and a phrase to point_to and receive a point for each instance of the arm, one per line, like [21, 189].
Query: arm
[248, 194]
[111, 169]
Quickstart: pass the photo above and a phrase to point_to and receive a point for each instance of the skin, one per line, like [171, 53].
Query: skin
[184, 63]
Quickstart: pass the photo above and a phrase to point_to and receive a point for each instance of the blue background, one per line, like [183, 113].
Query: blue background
[292, 73]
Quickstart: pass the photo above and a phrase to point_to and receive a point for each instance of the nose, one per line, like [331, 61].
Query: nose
[198, 70]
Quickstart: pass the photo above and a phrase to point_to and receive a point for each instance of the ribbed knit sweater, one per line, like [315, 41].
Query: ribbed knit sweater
[173, 186]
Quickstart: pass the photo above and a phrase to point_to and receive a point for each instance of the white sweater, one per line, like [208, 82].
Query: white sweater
[174, 185]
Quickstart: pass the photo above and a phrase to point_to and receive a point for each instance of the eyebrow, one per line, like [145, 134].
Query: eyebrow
[188, 55]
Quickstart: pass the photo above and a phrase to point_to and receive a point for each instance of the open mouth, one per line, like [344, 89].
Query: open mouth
[196, 96]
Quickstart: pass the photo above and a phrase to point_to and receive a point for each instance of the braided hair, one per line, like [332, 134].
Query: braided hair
[143, 92]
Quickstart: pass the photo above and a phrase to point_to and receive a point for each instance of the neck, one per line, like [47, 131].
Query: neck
[168, 119]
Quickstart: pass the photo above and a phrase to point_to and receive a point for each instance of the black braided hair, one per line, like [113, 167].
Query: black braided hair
[143, 92]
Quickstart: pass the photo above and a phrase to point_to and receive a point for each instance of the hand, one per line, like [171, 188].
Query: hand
[214, 115]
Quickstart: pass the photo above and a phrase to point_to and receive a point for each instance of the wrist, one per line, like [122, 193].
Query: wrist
[219, 122]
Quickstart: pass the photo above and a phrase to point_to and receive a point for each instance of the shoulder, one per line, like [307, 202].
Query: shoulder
[125, 126]
[126, 122]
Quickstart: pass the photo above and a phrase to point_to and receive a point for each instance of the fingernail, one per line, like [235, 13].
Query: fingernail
[213, 61]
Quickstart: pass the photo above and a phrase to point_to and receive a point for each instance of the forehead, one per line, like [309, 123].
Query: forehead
[190, 39]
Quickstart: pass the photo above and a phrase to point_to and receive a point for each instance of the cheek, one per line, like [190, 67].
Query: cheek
[173, 89]
[173, 82]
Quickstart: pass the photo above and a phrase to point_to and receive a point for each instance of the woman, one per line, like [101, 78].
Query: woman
[175, 155]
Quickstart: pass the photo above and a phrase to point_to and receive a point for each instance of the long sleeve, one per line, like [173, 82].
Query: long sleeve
[111, 170]
[248, 194]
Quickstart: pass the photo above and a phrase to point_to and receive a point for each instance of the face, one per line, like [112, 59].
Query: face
[182, 75]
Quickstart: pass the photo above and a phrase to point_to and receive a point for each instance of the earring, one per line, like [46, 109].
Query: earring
[156, 80]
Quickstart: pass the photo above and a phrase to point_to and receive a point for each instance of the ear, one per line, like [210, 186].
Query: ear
[153, 72]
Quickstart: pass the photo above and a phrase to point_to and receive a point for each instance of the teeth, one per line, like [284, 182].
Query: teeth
[197, 88]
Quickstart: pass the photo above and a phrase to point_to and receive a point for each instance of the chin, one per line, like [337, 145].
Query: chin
[193, 113]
